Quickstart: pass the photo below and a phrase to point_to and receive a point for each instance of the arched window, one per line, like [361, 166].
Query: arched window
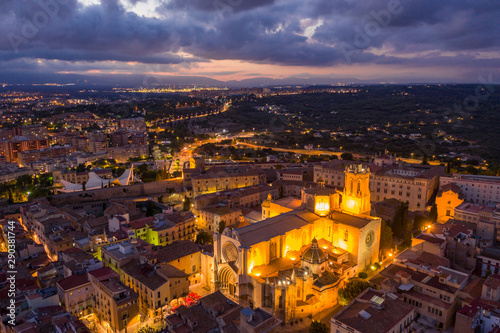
[346, 236]
[358, 191]
[352, 185]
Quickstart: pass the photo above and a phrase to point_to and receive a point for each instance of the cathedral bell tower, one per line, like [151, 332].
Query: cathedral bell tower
[356, 195]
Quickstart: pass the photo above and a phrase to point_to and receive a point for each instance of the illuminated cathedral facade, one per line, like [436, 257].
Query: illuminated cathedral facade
[294, 261]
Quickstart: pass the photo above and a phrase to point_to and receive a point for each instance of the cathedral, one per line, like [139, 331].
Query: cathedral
[294, 261]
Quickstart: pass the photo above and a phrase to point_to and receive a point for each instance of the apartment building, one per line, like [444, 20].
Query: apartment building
[75, 294]
[25, 158]
[211, 217]
[483, 314]
[10, 149]
[374, 311]
[216, 313]
[118, 254]
[433, 291]
[474, 213]
[123, 154]
[116, 306]
[76, 261]
[163, 229]
[133, 124]
[474, 188]
[157, 286]
[488, 262]
[184, 255]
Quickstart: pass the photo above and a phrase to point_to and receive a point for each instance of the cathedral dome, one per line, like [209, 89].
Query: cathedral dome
[313, 254]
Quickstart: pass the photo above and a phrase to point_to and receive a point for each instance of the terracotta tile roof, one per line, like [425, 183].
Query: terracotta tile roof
[431, 238]
[141, 223]
[103, 273]
[73, 281]
[173, 251]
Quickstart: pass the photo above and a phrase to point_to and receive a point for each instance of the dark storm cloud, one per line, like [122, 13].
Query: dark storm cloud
[215, 5]
[260, 31]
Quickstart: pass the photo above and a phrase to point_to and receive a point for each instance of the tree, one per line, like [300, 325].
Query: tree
[386, 237]
[347, 156]
[351, 290]
[203, 238]
[318, 327]
[363, 275]
[187, 204]
[400, 220]
[408, 236]
[433, 213]
[222, 226]
[419, 222]
[81, 168]
[24, 180]
[448, 167]
[424, 160]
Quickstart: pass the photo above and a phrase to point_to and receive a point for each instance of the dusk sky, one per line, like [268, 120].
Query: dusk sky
[401, 41]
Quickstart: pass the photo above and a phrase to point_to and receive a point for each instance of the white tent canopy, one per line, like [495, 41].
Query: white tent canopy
[96, 182]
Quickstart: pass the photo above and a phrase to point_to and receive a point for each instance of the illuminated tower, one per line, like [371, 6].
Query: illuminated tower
[266, 207]
[356, 195]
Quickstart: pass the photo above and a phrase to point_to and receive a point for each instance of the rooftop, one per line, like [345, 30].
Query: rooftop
[73, 281]
[360, 315]
[173, 251]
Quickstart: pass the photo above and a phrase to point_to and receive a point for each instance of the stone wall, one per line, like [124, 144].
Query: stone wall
[135, 190]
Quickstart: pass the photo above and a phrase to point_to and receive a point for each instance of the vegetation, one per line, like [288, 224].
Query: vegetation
[203, 238]
[187, 204]
[433, 214]
[222, 226]
[362, 275]
[386, 237]
[352, 289]
[318, 327]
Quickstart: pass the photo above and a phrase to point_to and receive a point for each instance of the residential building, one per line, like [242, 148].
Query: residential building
[184, 255]
[217, 313]
[10, 149]
[488, 262]
[211, 217]
[475, 188]
[75, 294]
[433, 291]
[374, 311]
[116, 306]
[158, 286]
[118, 254]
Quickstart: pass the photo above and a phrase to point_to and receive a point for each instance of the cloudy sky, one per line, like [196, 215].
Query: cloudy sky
[395, 40]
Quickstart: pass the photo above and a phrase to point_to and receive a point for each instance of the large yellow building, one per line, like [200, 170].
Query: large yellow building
[294, 261]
